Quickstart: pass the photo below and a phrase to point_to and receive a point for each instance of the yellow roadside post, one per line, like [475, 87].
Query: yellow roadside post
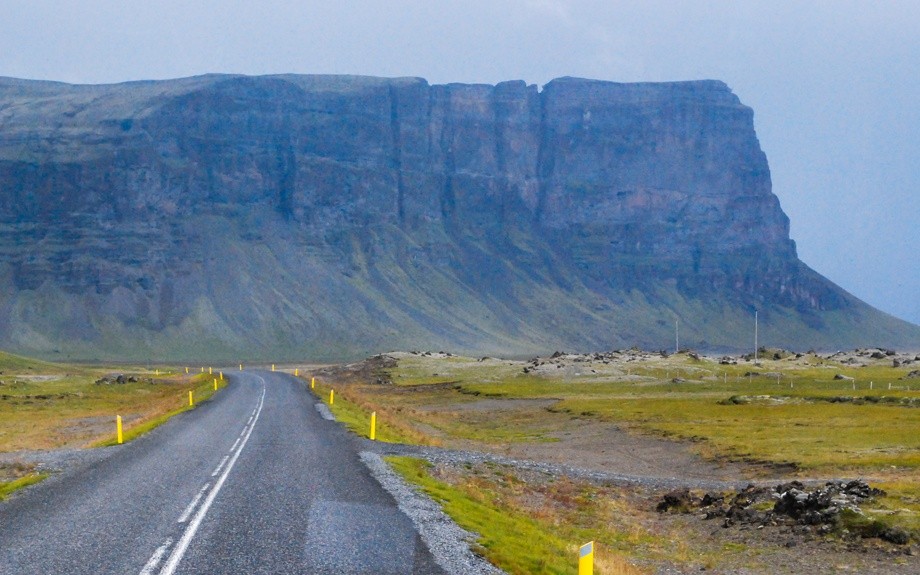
[121, 437]
[210, 371]
[241, 367]
[221, 376]
[186, 371]
[191, 399]
[202, 370]
[373, 433]
[586, 559]
[312, 383]
[331, 396]
[296, 372]
[158, 373]
[273, 367]
[215, 384]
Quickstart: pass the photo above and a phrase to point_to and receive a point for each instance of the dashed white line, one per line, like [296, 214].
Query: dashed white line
[179, 551]
[193, 504]
[156, 558]
[217, 469]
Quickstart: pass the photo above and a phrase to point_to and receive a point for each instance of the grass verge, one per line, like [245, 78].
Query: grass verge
[8, 487]
[354, 411]
[202, 388]
[514, 535]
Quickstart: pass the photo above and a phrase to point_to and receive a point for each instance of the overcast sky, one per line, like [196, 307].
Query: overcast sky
[835, 85]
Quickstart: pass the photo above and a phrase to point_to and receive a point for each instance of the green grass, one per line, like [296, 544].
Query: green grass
[55, 406]
[803, 416]
[8, 487]
[509, 537]
[202, 387]
[356, 416]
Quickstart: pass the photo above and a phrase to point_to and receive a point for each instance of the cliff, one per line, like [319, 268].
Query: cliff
[332, 216]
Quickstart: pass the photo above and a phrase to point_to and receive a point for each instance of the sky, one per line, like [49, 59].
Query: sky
[835, 85]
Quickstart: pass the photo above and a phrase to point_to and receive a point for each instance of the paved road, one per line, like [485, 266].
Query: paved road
[254, 481]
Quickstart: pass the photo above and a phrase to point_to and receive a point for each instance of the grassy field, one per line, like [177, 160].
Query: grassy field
[51, 406]
[791, 412]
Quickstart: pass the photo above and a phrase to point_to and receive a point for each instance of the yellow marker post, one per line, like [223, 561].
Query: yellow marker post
[373, 433]
[215, 384]
[586, 559]
[121, 437]
[241, 367]
[210, 371]
[331, 396]
[221, 376]
[191, 399]
[273, 367]
[296, 372]
[186, 371]
[202, 370]
[312, 383]
[158, 373]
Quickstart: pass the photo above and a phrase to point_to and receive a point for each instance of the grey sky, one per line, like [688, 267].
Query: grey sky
[835, 85]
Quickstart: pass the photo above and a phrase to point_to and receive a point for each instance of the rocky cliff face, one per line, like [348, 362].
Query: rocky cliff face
[230, 216]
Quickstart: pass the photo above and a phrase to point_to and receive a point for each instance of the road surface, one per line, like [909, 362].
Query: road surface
[253, 481]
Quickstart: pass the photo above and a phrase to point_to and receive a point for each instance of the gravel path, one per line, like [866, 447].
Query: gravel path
[438, 455]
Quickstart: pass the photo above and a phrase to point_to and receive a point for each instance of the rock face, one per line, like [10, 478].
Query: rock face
[330, 216]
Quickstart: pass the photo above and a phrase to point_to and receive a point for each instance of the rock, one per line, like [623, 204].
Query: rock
[840, 376]
[895, 535]
[351, 182]
[679, 500]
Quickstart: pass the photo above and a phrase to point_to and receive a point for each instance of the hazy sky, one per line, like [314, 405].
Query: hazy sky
[835, 85]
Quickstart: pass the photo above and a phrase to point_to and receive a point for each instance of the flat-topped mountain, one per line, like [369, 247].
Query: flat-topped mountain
[332, 216]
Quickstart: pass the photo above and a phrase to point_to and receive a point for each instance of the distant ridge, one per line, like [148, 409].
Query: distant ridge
[329, 217]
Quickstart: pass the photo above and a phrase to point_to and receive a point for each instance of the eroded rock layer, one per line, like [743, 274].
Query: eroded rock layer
[331, 216]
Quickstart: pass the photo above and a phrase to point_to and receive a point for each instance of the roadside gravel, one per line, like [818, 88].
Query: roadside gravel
[448, 542]
[449, 456]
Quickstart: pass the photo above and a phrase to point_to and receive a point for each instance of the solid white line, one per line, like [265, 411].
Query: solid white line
[191, 506]
[156, 558]
[179, 551]
[217, 469]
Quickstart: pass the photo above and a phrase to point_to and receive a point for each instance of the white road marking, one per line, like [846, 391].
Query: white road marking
[182, 546]
[235, 443]
[250, 419]
[156, 558]
[222, 461]
[193, 504]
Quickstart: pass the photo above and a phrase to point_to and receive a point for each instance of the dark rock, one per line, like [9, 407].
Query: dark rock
[895, 535]
[679, 500]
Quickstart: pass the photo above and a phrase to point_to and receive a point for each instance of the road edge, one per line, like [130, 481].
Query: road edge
[448, 543]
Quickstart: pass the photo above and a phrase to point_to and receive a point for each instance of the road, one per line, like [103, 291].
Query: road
[253, 481]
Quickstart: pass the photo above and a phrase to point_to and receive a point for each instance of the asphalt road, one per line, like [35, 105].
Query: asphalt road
[253, 481]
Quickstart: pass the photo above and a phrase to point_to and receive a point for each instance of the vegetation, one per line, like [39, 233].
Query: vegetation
[514, 536]
[49, 406]
[791, 411]
[7, 487]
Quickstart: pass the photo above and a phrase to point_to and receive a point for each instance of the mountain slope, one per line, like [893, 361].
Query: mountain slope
[332, 216]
